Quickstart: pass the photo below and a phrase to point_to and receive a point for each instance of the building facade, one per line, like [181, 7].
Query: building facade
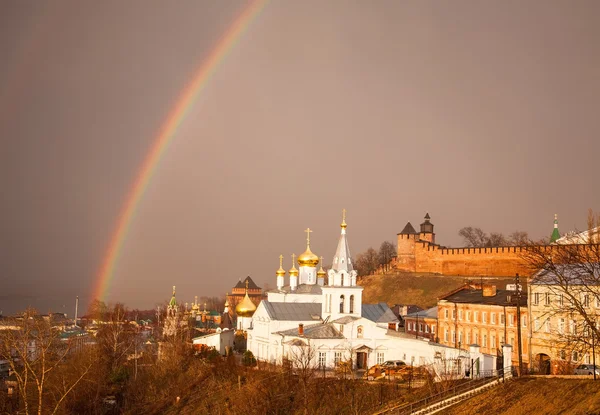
[486, 317]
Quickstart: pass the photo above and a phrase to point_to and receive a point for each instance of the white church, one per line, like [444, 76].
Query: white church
[330, 319]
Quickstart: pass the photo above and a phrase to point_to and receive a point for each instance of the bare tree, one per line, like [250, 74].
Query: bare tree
[518, 238]
[473, 237]
[35, 353]
[367, 262]
[567, 283]
[303, 357]
[387, 251]
[116, 337]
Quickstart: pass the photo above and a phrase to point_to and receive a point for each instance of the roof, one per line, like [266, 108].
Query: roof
[315, 331]
[571, 274]
[379, 313]
[293, 311]
[475, 296]
[251, 284]
[301, 289]
[408, 230]
[345, 319]
[429, 313]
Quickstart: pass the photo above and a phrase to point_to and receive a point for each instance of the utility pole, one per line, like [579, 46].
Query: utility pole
[519, 324]
[76, 306]
[594, 349]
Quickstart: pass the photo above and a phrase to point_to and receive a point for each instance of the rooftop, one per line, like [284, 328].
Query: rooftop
[293, 311]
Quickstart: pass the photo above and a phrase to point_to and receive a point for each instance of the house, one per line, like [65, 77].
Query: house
[483, 316]
[423, 323]
[560, 300]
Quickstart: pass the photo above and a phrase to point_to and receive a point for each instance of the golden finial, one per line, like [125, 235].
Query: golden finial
[173, 291]
[344, 219]
[308, 231]
[321, 272]
[280, 272]
[196, 300]
[321, 258]
[246, 286]
[293, 270]
[293, 259]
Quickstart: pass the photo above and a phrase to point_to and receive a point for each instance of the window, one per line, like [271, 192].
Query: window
[426, 328]
[493, 318]
[524, 321]
[501, 318]
[445, 335]
[560, 299]
[502, 340]
[511, 321]
[352, 304]
[536, 324]
[475, 316]
[561, 325]
[587, 359]
[337, 358]
[512, 341]
[359, 332]
[453, 336]
[380, 358]
[446, 314]
[433, 328]
[574, 356]
[493, 341]
[484, 317]
[453, 314]
[586, 300]
[548, 326]
[460, 315]
[547, 299]
[597, 301]
[484, 340]
[536, 298]
[573, 327]
[563, 355]
[476, 338]
[322, 359]
[420, 327]
[329, 304]
[342, 303]
[468, 337]
[468, 316]
[460, 337]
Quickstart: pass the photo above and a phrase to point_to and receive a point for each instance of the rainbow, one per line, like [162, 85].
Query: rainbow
[167, 132]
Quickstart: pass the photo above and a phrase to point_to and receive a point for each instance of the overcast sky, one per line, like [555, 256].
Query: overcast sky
[482, 113]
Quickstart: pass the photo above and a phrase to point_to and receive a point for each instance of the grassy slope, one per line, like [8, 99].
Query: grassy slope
[535, 396]
[419, 289]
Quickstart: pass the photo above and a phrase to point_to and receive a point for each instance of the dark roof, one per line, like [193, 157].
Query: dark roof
[379, 313]
[408, 230]
[427, 216]
[293, 311]
[251, 284]
[315, 331]
[474, 296]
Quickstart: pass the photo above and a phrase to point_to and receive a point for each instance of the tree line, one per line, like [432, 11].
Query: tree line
[370, 261]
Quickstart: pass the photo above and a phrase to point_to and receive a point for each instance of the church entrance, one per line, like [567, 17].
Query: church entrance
[361, 360]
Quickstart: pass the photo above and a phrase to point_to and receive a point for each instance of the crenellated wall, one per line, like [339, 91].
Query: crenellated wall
[415, 255]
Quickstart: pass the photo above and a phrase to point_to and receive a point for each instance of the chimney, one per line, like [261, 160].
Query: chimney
[300, 329]
[489, 290]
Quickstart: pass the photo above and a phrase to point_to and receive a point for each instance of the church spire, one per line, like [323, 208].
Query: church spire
[342, 260]
[555, 233]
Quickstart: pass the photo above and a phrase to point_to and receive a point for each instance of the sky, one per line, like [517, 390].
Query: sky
[482, 113]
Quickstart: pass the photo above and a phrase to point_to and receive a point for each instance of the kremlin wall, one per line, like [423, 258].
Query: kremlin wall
[418, 252]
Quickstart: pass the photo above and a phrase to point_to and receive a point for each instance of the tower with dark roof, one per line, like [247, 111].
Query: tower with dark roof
[427, 230]
[555, 233]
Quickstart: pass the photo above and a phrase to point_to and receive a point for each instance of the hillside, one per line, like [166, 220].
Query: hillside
[420, 289]
[541, 396]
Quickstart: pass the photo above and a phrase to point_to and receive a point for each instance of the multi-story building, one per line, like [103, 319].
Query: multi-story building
[422, 324]
[560, 302]
[486, 317]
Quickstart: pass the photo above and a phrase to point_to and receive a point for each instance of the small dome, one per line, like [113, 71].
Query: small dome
[308, 259]
[321, 272]
[293, 271]
[245, 308]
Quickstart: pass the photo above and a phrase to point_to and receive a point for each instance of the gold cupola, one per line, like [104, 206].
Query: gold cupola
[321, 273]
[343, 225]
[246, 307]
[308, 259]
[293, 271]
[280, 272]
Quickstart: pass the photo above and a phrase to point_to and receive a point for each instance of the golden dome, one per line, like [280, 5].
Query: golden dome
[321, 272]
[245, 308]
[308, 259]
[280, 272]
[293, 271]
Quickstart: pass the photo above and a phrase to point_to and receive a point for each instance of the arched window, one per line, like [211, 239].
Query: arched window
[359, 332]
[342, 303]
[352, 304]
